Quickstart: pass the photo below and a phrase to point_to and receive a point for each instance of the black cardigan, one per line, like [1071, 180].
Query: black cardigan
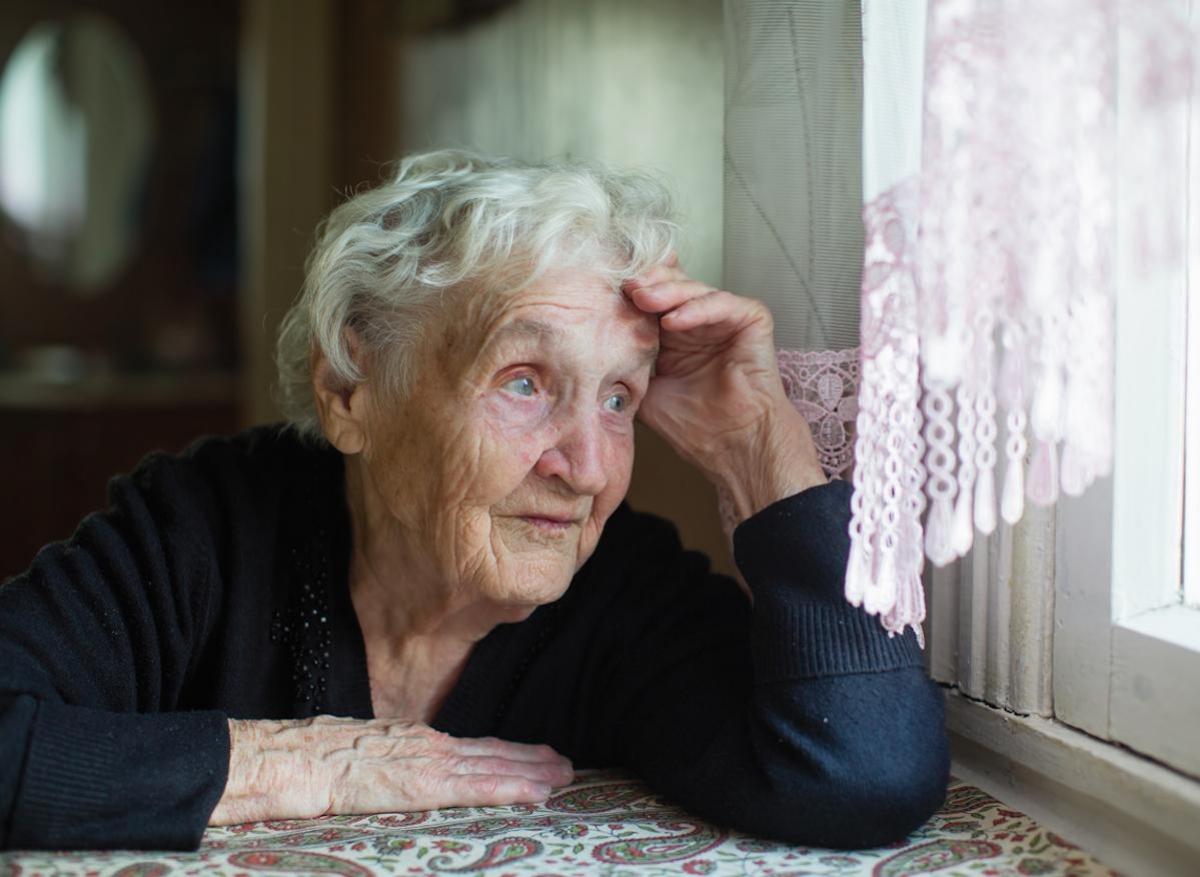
[215, 587]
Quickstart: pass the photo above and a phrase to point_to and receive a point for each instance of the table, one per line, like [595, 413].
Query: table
[606, 823]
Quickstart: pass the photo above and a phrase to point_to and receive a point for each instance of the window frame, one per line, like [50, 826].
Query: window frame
[1127, 642]
[1191, 274]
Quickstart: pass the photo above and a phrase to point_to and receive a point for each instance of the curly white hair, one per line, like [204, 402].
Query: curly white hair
[449, 221]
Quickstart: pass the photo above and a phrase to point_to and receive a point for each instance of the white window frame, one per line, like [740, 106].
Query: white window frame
[1191, 268]
[1127, 642]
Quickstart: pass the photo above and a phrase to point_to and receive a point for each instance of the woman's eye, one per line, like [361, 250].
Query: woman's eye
[617, 402]
[522, 386]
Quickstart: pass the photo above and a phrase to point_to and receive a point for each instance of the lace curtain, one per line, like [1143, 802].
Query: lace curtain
[979, 138]
[989, 182]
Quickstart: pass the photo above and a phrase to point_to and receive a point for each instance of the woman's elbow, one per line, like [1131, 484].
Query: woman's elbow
[864, 802]
[897, 800]
[880, 773]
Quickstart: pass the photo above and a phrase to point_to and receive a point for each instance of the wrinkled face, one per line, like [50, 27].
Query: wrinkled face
[516, 443]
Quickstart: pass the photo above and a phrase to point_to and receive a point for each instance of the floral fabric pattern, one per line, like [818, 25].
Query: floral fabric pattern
[604, 824]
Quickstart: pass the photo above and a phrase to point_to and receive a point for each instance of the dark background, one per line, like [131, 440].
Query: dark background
[266, 112]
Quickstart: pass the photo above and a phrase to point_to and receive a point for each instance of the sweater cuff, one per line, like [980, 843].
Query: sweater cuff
[793, 555]
[102, 780]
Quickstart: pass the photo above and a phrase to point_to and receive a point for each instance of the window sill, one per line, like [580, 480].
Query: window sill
[1176, 625]
[1131, 813]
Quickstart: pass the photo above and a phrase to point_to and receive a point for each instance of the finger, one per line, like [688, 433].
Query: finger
[663, 297]
[491, 791]
[552, 773]
[660, 273]
[512, 751]
[718, 310]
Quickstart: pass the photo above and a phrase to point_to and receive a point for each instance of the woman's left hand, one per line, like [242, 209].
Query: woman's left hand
[717, 396]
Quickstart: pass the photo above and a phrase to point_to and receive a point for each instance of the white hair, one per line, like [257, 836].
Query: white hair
[453, 220]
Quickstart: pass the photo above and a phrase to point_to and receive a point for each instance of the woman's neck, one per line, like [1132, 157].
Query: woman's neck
[397, 605]
[418, 629]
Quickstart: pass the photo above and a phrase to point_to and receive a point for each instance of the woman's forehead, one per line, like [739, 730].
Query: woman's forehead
[563, 309]
[631, 340]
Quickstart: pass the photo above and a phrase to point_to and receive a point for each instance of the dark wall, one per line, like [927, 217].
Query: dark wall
[158, 347]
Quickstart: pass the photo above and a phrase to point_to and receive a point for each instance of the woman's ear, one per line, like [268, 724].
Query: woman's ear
[341, 406]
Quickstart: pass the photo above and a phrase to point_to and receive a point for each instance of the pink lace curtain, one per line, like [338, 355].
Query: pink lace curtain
[990, 174]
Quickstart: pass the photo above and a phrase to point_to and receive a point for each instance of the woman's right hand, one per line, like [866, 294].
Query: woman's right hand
[304, 768]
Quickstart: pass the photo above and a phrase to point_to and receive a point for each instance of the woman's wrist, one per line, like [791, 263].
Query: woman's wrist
[271, 773]
[778, 461]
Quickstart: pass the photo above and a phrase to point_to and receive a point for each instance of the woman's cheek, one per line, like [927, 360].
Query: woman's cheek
[618, 460]
[517, 431]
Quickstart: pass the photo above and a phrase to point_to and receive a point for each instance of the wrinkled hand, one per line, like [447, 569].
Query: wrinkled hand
[325, 765]
[717, 396]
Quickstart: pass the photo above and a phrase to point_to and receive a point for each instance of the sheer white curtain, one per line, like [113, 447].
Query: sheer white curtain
[793, 193]
[793, 102]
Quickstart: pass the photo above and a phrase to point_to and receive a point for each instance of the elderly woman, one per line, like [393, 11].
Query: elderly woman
[424, 590]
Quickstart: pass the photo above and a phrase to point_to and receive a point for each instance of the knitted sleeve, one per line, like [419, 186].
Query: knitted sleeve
[798, 718]
[97, 639]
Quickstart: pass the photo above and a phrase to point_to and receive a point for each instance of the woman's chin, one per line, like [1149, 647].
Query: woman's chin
[516, 613]
[532, 584]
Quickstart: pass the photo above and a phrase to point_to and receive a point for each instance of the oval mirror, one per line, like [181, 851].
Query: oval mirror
[76, 133]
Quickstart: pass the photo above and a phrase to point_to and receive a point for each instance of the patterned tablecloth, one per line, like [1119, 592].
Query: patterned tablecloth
[605, 824]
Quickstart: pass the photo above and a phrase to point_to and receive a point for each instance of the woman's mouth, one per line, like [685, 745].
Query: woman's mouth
[548, 524]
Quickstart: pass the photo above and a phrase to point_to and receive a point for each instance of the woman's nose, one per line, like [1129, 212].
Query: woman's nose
[577, 458]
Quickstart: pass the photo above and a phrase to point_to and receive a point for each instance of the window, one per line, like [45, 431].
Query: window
[1127, 644]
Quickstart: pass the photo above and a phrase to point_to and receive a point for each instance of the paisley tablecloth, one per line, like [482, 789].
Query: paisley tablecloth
[604, 824]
